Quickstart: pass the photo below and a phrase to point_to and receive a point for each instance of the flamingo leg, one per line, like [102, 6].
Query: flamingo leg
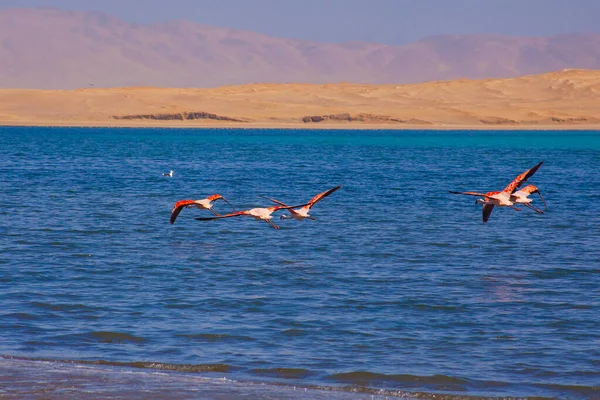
[515, 208]
[214, 212]
[544, 201]
[272, 224]
[534, 209]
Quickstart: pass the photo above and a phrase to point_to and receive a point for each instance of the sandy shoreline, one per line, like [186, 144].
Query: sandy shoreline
[67, 380]
[60, 380]
[564, 100]
[250, 126]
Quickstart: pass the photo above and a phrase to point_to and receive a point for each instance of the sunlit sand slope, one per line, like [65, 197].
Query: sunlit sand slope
[564, 99]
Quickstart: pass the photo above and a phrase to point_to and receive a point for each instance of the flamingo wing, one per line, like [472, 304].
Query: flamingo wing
[280, 203]
[274, 201]
[322, 195]
[178, 207]
[233, 214]
[275, 208]
[487, 211]
[519, 180]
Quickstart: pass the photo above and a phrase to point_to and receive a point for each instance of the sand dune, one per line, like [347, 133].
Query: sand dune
[564, 99]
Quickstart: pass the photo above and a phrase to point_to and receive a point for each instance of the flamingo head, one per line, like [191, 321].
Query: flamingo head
[533, 189]
[530, 189]
[217, 196]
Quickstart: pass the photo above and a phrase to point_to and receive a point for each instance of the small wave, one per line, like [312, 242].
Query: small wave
[437, 307]
[26, 316]
[294, 332]
[368, 378]
[101, 337]
[174, 367]
[179, 306]
[114, 337]
[419, 394]
[591, 392]
[505, 337]
[137, 364]
[285, 373]
[61, 307]
[35, 343]
[555, 273]
[215, 337]
[97, 231]
[361, 380]
[143, 230]
[559, 226]
[439, 244]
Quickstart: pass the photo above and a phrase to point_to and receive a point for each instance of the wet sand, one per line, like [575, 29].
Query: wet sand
[568, 99]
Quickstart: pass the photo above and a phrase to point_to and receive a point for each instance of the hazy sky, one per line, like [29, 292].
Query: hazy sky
[385, 21]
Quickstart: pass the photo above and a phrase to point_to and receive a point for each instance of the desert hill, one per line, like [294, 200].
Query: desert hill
[53, 49]
[563, 99]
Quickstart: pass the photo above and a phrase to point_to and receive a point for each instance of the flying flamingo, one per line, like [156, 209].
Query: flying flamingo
[203, 204]
[502, 198]
[522, 197]
[302, 213]
[262, 213]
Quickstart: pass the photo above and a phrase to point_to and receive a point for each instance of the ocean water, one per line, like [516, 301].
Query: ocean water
[397, 289]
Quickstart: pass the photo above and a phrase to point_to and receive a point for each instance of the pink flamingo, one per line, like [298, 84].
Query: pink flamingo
[261, 213]
[501, 198]
[203, 204]
[302, 213]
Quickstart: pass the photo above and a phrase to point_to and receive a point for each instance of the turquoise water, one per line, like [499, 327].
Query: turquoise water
[397, 287]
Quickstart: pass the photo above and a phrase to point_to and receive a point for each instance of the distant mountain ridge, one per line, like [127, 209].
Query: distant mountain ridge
[54, 49]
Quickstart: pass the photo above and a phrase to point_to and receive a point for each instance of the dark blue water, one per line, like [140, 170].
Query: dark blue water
[397, 285]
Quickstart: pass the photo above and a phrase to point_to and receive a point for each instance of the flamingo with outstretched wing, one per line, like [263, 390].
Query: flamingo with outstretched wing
[501, 198]
[203, 204]
[302, 213]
